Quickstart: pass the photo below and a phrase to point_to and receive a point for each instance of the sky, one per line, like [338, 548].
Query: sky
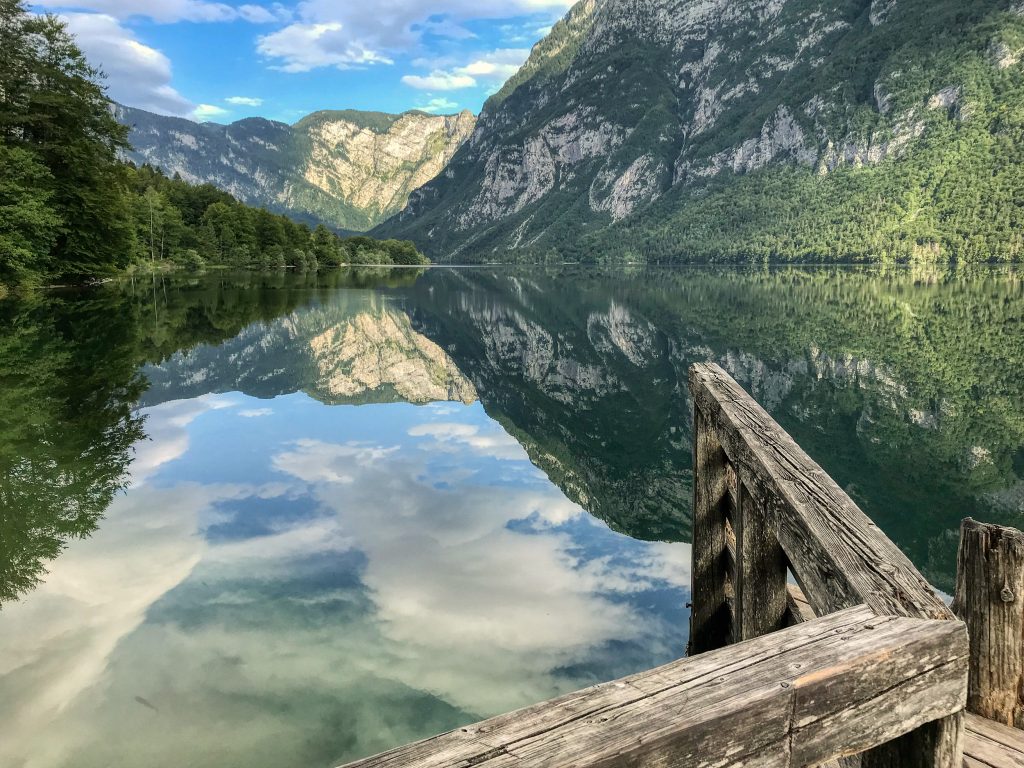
[223, 61]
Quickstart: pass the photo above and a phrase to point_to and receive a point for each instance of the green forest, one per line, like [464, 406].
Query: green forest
[71, 210]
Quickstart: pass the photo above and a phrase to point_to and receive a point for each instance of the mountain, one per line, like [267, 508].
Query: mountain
[347, 169]
[356, 349]
[911, 408]
[713, 129]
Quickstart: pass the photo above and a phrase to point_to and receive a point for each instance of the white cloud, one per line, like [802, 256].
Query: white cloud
[445, 28]
[245, 101]
[86, 606]
[170, 11]
[500, 64]
[318, 462]
[445, 435]
[303, 47]
[167, 430]
[439, 563]
[328, 33]
[208, 112]
[490, 69]
[253, 413]
[137, 75]
[258, 14]
[439, 81]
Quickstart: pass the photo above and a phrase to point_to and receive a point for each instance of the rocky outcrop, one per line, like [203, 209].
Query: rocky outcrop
[781, 136]
[375, 351]
[358, 351]
[347, 169]
[628, 102]
[372, 170]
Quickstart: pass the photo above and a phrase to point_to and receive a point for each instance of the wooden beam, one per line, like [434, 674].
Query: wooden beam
[838, 555]
[761, 571]
[710, 615]
[801, 696]
[990, 600]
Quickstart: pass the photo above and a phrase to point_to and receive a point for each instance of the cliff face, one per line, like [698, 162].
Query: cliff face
[640, 116]
[347, 169]
[353, 351]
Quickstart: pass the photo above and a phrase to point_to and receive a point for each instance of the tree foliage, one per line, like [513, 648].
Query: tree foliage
[70, 208]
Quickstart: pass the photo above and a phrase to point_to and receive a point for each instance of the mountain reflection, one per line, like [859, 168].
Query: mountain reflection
[70, 381]
[903, 383]
[354, 347]
[291, 520]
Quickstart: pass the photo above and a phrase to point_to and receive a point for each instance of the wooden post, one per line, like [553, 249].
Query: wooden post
[990, 600]
[761, 566]
[938, 744]
[710, 615]
[839, 556]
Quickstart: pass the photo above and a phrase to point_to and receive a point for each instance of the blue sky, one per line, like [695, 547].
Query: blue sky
[222, 61]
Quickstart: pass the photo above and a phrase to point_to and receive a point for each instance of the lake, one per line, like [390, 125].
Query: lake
[291, 520]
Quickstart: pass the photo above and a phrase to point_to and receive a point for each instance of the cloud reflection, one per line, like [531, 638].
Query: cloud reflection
[386, 575]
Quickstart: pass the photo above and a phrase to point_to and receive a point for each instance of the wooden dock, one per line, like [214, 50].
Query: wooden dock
[862, 664]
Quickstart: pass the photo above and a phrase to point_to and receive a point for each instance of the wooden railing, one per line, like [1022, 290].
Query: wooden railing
[764, 509]
[864, 659]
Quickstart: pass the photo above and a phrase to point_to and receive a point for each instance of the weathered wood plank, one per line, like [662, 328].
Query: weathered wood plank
[773, 701]
[992, 745]
[469, 743]
[989, 598]
[761, 568]
[710, 616]
[798, 610]
[838, 555]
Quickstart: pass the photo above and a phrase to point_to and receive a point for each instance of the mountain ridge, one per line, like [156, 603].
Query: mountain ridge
[346, 168]
[671, 130]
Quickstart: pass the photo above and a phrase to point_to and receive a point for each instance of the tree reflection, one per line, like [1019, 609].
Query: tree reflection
[67, 384]
[70, 380]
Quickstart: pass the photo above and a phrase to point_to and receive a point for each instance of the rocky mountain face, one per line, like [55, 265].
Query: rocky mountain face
[348, 169]
[666, 129]
[352, 351]
[587, 368]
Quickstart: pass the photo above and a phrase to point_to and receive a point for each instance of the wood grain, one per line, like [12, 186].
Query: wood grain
[839, 557]
[990, 600]
[991, 745]
[710, 614]
[796, 697]
[761, 598]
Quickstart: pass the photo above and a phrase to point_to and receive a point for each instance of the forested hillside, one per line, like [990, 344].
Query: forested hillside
[195, 225]
[678, 130]
[71, 210]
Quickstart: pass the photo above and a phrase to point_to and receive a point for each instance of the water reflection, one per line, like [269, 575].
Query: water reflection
[306, 518]
[318, 583]
[903, 384]
[353, 346]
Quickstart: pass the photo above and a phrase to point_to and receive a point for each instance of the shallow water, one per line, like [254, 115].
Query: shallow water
[294, 520]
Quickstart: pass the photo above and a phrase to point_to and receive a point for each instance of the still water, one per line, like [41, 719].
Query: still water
[294, 520]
